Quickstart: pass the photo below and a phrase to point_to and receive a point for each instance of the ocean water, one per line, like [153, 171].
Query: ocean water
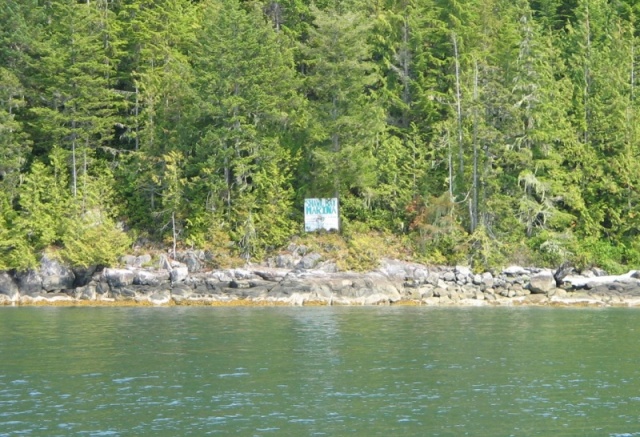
[329, 371]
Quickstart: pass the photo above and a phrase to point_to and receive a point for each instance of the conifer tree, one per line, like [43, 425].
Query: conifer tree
[248, 98]
[76, 84]
[14, 143]
[347, 118]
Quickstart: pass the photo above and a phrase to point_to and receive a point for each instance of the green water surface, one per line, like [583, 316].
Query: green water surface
[319, 372]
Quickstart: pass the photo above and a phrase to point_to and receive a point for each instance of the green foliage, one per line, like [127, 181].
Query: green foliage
[590, 252]
[93, 241]
[15, 252]
[439, 238]
[478, 132]
[485, 252]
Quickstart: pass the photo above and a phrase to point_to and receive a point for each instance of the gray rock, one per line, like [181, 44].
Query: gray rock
[542, 282]
[563, 271]
[54, 275]
[129, 260]
[285, 261]
[153, 278]
[8, 286]
[490, 296]
[144, 260]
[118, 277]
[599, 272]
[463, 271]
[179, 294]
[439, 292]
[242, 274]
[297, 249]
[499, 282]
[328, 267]
[271, 274]
[219, 276]
[589, 283]
[309, 261]
[191, 260]
[137, 262]
[102, 288]
[123, 293]
[160, 298]
[449, 276]
[179, 274]
[87, 292]
[29, 282]
[515, 271]
[426, 291]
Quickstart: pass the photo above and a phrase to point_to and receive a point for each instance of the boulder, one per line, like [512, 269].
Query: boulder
[191, 260]
[123, 293]
[309, 261]
[542, 282]
[563, 271]
[179, 274]
[128, 260]
[8, 286]
[463, 271]
[285, 261]
[55, 276]
[242, 274]
[297, 249]
[118, 277]
[404, 270]
[515, 271]
[87, 292]
[219, 276]
[628, 279]
[29, 282]
[148, 277]
[102, 288]
[449, 276]
[180, 293]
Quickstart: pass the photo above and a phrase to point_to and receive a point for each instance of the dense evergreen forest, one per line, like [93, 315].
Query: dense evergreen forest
[480, 131]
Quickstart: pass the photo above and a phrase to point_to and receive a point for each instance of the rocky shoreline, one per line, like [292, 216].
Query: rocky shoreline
[306, 280]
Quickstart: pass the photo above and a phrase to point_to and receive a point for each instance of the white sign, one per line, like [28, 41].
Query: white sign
[321, 214]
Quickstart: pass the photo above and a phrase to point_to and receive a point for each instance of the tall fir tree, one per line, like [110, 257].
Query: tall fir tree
[341, 82]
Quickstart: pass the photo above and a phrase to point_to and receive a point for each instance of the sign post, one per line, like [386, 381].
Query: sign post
[321, 214]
